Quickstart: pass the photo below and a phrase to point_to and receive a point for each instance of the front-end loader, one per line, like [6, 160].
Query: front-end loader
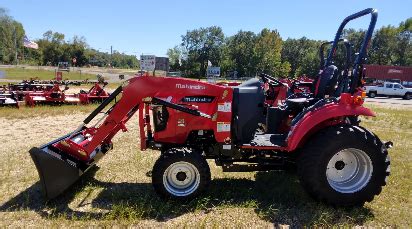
[338, 161]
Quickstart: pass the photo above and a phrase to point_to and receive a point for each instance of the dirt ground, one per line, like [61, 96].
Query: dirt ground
[123, 168]
[120, 191]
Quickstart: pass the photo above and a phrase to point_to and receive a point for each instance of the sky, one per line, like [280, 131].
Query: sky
[151, 27]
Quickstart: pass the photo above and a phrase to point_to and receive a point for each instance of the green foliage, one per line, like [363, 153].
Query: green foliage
[200, 46]
[239, 52]
[175, 56]
[245, 52]
[390, 45]
[54, 48]
[303, 56]
[249, 53]
[11, 33]
[267, 49]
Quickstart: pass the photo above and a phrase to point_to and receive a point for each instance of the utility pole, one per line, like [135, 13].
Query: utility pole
[15, 44]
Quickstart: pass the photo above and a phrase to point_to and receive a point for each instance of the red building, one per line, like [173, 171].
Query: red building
[385, 73]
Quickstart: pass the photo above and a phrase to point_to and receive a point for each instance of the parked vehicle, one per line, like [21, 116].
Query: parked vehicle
[63, 66]
[389, 89]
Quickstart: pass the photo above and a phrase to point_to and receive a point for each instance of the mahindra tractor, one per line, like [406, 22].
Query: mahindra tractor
[240, 127]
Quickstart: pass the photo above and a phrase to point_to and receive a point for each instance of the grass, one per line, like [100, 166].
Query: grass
[119, 192]
[22, 73]
[25, 112]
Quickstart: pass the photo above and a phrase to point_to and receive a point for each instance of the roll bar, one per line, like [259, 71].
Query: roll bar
[362, 52]
[348, 49]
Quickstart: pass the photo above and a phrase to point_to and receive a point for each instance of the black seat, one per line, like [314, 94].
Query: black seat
[326, 82]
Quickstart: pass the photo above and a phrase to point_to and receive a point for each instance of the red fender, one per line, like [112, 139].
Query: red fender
[330, 112]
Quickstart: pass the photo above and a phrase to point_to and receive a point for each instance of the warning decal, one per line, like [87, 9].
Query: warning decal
[223, 126]
[224, 107]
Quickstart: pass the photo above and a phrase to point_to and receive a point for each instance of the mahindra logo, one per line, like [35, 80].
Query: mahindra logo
[190, 86]
[395, 71]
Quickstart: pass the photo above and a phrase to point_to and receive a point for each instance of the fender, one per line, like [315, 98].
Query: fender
[329, 112]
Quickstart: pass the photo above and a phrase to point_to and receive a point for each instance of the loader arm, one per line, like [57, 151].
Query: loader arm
[138, 95]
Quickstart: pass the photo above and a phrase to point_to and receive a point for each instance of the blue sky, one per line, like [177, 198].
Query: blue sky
[151, 27]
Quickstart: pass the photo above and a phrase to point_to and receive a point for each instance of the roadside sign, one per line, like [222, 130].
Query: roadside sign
[213, 71]
[147, 62]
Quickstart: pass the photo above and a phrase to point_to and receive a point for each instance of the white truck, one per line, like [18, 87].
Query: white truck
[389, 89]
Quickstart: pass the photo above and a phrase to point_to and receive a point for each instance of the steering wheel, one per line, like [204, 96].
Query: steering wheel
[267, 78]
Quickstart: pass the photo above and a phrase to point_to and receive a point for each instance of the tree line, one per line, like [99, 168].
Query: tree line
[54, 48]
[246, 53]
[249, 53]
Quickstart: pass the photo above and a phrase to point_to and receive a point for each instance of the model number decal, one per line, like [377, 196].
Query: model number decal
[223, 126]
[198, 99]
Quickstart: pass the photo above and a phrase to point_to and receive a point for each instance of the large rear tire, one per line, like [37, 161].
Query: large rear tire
[344, 166]
[180, 174]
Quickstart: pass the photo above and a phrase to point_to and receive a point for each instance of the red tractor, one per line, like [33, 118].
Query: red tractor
[338, 161]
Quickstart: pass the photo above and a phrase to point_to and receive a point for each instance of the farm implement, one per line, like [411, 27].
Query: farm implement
[338, 161]
[53, 95]
[7, 99]
[96, 94]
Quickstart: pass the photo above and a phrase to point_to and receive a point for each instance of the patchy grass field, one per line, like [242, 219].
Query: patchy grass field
[21, 73]
[120, 192]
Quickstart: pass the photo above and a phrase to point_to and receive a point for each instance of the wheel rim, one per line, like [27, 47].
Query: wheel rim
[181, 178]
[349, 170]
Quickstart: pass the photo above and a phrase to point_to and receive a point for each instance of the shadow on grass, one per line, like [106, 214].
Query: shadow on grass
[276, 197]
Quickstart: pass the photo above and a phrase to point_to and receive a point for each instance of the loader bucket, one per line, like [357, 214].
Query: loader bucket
[55, 174]
[57, 170]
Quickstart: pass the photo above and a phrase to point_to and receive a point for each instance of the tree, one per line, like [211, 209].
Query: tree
[267, 49]
[175, 56]
[200, 46]
[383, 45]
[403, 48]
[240, 49]
[11, 37]
[303, 56]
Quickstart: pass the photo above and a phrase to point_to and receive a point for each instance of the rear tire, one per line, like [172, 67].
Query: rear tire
[344, 166]
[180, 174]
[407, 96]
[372, 94]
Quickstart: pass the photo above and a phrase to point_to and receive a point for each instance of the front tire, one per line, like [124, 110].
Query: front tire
[407, 96]
[180, 174]
[372, 94]
[344, 166]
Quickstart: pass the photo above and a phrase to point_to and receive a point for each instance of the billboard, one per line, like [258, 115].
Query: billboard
[213, 71]
[147, 62]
